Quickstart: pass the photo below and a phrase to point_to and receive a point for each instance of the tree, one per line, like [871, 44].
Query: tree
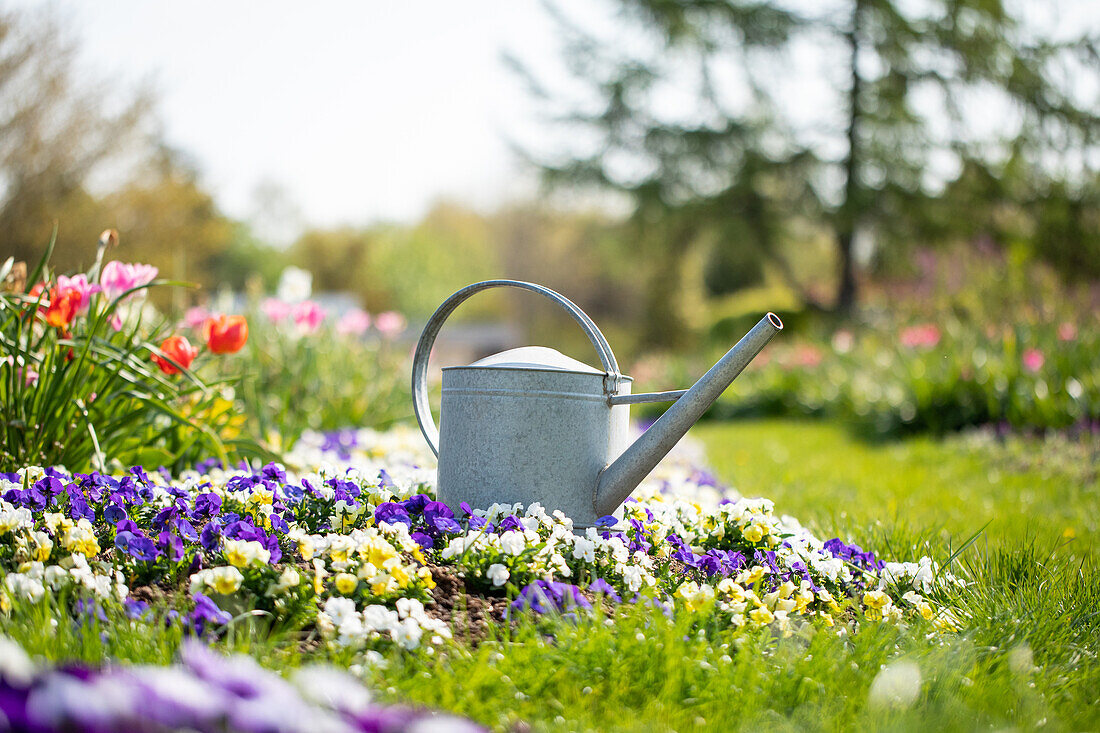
[54, 132]
[734, 160]
[167, 219]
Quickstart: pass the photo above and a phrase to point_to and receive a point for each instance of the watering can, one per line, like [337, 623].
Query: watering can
[533, 425]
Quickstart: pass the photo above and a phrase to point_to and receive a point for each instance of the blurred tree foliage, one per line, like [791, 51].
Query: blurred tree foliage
[685, 114]
[56, 135]
[54, 132]
[413, 268]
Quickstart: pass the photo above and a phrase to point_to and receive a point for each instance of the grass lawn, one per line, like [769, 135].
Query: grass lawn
[820, 473]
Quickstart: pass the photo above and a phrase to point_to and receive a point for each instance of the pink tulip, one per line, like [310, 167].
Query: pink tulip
[1033, 360]
[196, 316]
[119, 277]
[275, 309]
[924, 336]
[80, 284]
[1067, 332]
[353, 323]
[390, 323]
[307, 315]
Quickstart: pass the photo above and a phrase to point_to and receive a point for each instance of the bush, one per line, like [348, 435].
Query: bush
[1008, 345]
[302, 370]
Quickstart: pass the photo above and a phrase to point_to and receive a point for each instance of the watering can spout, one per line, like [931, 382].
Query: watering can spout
[623, 476]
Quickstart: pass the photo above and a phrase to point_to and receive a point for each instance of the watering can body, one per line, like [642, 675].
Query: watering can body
[533, 425]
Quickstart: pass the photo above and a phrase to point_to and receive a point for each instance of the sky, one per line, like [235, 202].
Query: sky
[359, 111]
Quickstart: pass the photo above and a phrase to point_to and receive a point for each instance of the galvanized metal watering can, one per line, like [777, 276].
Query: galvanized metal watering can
[533, 425]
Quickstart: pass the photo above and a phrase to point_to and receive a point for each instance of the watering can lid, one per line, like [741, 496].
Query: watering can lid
[536, 357]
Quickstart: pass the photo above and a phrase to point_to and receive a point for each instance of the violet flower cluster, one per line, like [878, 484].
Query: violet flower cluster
[204, 692]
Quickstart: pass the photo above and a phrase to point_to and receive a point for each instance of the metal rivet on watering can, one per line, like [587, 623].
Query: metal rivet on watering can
[532, 425]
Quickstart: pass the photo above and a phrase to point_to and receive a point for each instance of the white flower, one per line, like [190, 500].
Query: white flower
[287, 580]
[295, 284]
[584, 549]
[633, 577]
[498, 574]
[22, 586]
[512, 542]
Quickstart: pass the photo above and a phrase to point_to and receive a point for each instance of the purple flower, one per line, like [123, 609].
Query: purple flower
[206, 612]
[274, 472]
[446, 524]
[601, 586]
[207, 505]
[171, 545]
[433, 509]
[114, 513]
[127, 525]
[211, 536]
[415, 504]
[423, 540]
[279, 524]
[509, 523]
[544, 596]
[186, 529]
[472, 519]
[391, 513]
[137, 546]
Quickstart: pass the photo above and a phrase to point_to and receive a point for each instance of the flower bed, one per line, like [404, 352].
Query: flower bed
[360, 553]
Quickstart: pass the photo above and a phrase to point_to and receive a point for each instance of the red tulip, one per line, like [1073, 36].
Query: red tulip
[225, 334]
[180, 350]
[63, 306]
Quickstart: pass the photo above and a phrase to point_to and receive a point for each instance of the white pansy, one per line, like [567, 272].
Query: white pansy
[498, 574]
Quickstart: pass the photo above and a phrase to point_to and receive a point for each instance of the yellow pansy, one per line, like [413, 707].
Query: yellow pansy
[426, 578]
[761, 616]
[754, 532]
[401, 576]
[346, 583]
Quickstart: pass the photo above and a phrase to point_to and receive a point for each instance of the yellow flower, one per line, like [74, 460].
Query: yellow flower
[376, 551]
[224, 580]
[695, 596]
[43, 546]
[751, 576]
[242, 553]
[875, 599]
[426, 578]
[732, 590]
[761, 616]
[401, 576]
[259, 496]
[754, 532]
[319, 575]
[378, 589]
[346, 583]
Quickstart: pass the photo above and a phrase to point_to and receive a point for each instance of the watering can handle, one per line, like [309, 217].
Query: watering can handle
[427, 338]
